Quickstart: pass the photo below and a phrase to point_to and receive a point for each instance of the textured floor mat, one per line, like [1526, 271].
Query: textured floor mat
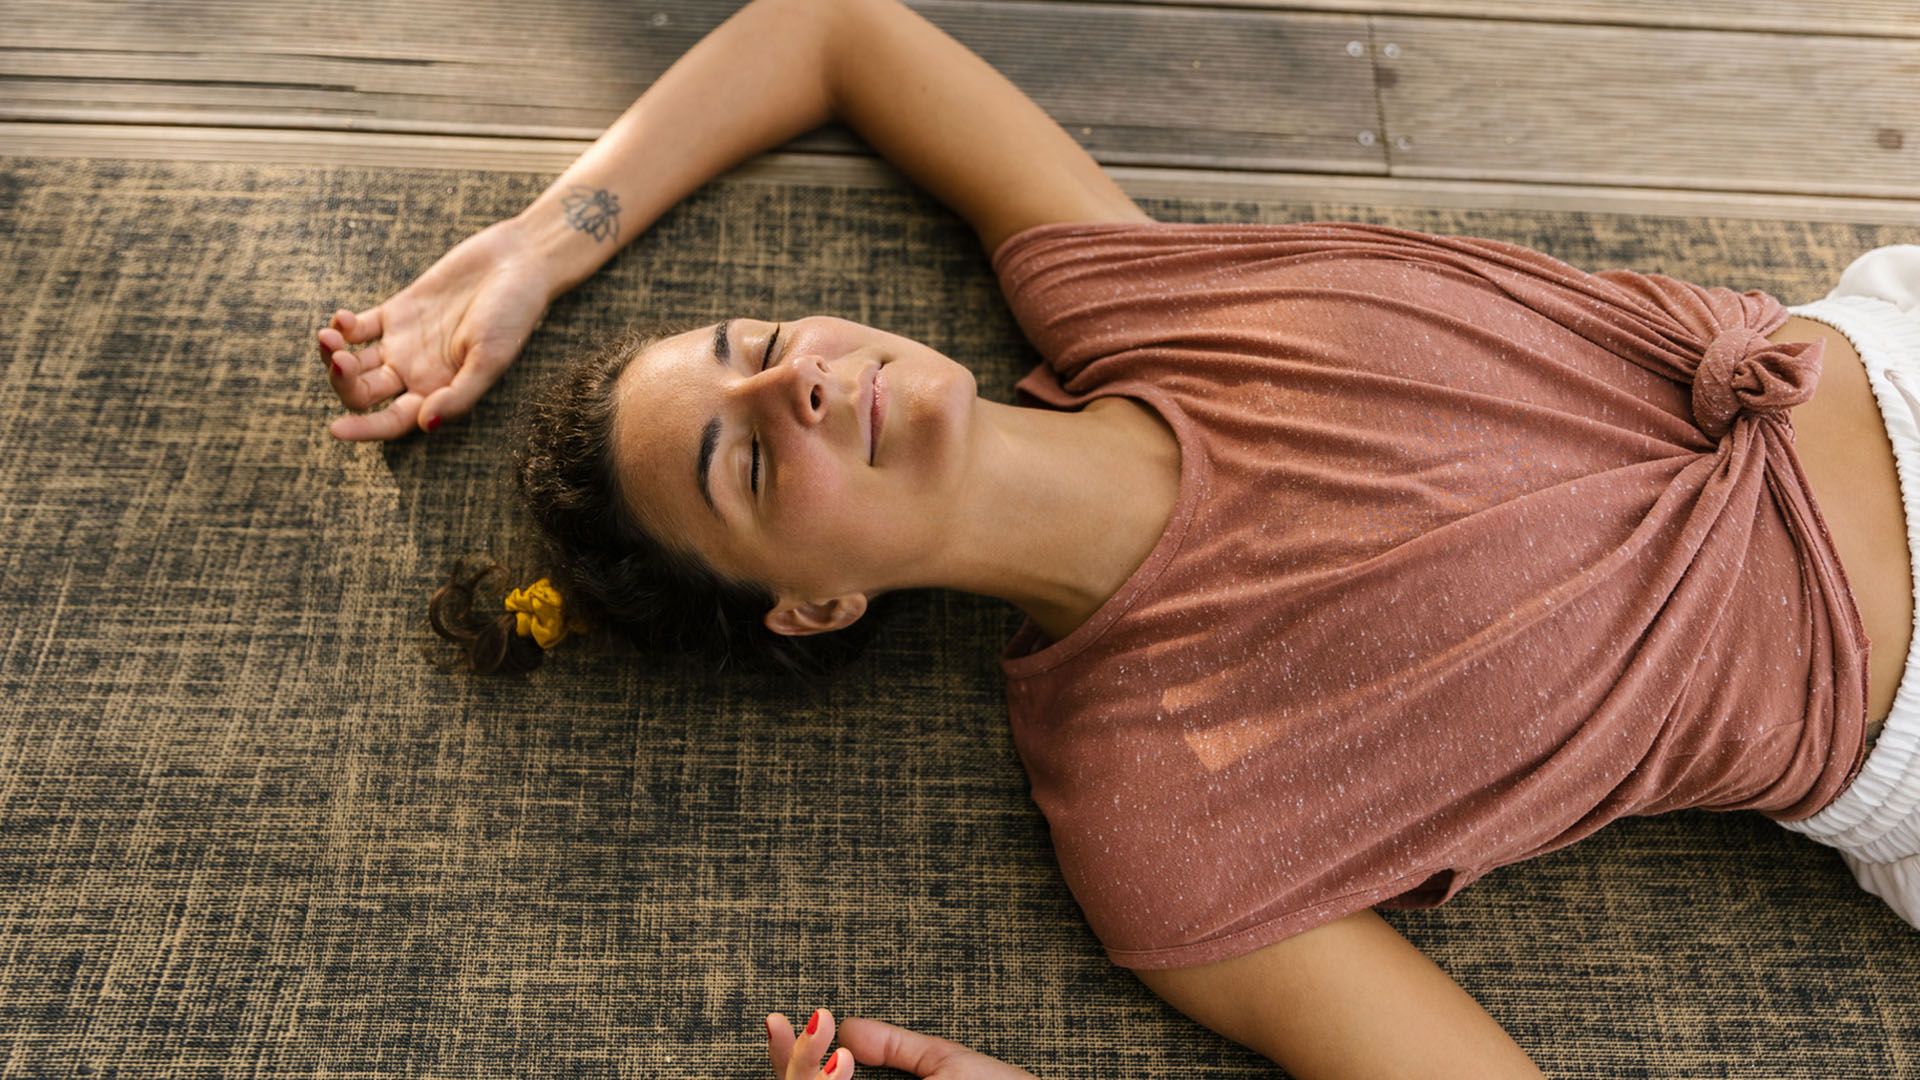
[246, 825]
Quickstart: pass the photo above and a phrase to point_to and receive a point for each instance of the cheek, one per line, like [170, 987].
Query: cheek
[815, 498]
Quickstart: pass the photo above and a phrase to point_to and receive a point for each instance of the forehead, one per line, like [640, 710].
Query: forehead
[665, 397]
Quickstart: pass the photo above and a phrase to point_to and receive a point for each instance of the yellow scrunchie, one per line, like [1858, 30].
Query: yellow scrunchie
[539, 614]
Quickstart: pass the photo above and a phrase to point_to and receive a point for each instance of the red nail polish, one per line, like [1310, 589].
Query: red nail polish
[433, 423]
[769, 1023]
[336, 367]
[813, 1023]
[831, 1062]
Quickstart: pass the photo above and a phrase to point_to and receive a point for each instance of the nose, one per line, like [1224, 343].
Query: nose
[796, 386]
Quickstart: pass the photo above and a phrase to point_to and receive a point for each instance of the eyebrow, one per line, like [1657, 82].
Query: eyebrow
[710, 435]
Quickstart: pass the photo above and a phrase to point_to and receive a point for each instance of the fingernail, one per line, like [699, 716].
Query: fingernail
[769, 1023]
[433, 423]
[335, 364]
[813, 1022]
[832, 1061]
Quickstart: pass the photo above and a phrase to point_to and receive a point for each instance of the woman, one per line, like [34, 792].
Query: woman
[1356, 562]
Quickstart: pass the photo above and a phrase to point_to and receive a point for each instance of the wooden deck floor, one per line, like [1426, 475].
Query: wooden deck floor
[1775, 108]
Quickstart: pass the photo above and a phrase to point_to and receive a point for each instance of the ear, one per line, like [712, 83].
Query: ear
[798, 618]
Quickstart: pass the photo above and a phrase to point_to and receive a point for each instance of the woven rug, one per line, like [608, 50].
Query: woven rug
[248, 824]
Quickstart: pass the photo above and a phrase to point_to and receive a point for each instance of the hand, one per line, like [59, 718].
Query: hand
[442, 340]
[871, 1042]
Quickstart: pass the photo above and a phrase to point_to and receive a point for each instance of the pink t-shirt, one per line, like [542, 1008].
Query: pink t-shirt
[1474, 553]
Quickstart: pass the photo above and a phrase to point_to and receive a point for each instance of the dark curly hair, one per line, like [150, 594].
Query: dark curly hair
[611, 570]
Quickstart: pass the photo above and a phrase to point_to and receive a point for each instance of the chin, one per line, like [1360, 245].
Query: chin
[930, 411]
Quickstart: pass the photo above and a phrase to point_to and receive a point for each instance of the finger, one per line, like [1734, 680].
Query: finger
[812, 1042]
[839, 1065]
[389, 423]
[353, 363]
[359, 326]
[331, 341]
[363, 379]
[370, 389]
[820, 1030]
[780, 1040]
[457, 398]
[873, 1042]
[824, 1033]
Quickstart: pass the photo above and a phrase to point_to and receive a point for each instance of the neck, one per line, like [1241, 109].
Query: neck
[1059, 510]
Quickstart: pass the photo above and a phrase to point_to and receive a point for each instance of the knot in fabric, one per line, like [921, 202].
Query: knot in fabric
[1744, 372]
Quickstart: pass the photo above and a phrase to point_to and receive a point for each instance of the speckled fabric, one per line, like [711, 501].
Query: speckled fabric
[1475, 552]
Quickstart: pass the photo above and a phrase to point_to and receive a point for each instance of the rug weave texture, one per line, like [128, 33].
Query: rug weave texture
[249, 826]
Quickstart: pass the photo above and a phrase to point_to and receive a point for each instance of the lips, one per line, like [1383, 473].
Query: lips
[876, 412]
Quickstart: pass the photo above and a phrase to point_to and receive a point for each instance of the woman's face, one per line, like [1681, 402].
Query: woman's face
[816, 519]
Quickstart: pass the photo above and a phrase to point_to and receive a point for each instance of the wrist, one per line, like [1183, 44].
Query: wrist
[570, 232]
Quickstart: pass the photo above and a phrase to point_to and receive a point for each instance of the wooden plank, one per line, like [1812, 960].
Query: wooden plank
[1152, 86]
[1800, 18]
[1165, 85]
[550, 157]
[1710, 110]
[1187, 85]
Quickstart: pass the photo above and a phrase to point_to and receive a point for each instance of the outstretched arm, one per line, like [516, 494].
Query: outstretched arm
[774, 70]
[779, 68]
[1348, 1000]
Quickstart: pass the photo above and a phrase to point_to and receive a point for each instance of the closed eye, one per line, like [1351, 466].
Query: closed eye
[753, 471]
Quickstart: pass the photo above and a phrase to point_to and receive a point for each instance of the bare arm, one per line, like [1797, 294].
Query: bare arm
[774, 70]
[780, 68]
[1351, 1000]
[947, 119]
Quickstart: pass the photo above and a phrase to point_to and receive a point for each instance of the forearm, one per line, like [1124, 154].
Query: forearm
[778, 68]
[755, 82]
